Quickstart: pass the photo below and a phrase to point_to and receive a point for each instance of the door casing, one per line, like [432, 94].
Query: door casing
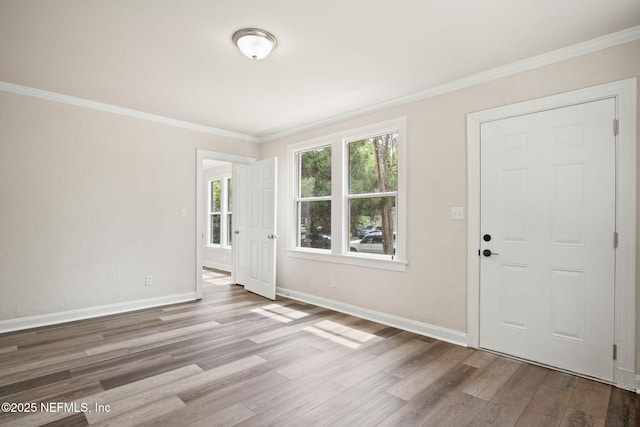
[625, 93]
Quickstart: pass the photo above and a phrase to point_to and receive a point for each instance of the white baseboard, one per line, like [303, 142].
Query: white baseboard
[637, 384]
[626, 379]
[420, 328]
[87, 313]
[217, 266]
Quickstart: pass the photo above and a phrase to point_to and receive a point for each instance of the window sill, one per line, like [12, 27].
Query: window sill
[371, 261]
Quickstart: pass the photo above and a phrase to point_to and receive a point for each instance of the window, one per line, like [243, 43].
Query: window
[313, 199]
[215, 211]
[349, 204]
[373, 189]
[220, 216]
[229, 209]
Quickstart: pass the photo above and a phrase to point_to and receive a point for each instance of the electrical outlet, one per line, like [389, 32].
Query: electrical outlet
[148, 280]
[332, 282]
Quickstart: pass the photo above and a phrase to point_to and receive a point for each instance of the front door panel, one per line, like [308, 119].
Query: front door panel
[548, 205]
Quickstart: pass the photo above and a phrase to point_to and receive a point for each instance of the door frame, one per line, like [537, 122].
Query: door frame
[202, 155]
[625, 93]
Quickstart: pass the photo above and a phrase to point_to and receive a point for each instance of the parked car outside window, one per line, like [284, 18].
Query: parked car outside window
[371, 243]
[369, 229]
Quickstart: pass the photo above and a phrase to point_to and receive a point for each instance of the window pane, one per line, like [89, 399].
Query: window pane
[315, 172]
[229, 229]
[215, 195]
[373, 164]
[315, 224]
[373, 220]
[215, 229]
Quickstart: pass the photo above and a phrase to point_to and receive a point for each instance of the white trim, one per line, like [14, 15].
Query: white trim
[420, 328]
[555, 56]
[22, 323]
[369, 261]
[100, 106]
[625, 93]
[217, 266]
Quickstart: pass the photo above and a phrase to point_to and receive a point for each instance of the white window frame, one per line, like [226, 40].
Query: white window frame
[298, 196]
[224, 211]
[339, 252]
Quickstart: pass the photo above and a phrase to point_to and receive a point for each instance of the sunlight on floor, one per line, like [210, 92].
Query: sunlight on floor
[215, 277]
[280, 313]
[329, 330]
[339, 334]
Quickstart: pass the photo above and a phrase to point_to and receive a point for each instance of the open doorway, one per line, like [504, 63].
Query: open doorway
[215, 283]
[214, 247]
[218, 215]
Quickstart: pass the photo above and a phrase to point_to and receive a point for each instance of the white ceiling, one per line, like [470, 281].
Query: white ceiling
[175, 58]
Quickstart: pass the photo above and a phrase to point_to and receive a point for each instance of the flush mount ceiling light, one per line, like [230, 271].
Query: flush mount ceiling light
[254, 43]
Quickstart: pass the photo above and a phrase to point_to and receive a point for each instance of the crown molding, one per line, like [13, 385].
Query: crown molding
[579, 49]
[100, 106]
[565, 53]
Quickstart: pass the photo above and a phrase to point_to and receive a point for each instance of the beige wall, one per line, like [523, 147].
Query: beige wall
[91, 203]
[433, 289]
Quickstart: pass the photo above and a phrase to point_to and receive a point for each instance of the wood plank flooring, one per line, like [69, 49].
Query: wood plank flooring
[235, 359]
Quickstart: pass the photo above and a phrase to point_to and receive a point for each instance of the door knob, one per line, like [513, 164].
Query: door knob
[488, 253]
[272, 236]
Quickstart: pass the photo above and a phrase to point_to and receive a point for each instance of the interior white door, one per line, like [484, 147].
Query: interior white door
[547, 237]
[254, 239]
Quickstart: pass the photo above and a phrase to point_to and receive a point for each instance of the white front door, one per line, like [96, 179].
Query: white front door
[547, 237]
[254, 239]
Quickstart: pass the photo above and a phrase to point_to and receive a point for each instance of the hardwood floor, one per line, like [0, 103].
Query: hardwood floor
[235, 359]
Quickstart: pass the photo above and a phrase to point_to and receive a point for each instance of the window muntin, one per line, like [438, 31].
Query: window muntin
[313, 198]
[373, 188]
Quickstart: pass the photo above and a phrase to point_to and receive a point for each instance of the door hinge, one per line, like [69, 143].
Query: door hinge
[615, 239]
[615, 352]
[616, 126]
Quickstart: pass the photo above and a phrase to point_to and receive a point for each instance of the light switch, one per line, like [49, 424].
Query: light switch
[183, 213]
[457, 213]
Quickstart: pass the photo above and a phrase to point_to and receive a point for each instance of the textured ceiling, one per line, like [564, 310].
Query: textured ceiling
[176, 59]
